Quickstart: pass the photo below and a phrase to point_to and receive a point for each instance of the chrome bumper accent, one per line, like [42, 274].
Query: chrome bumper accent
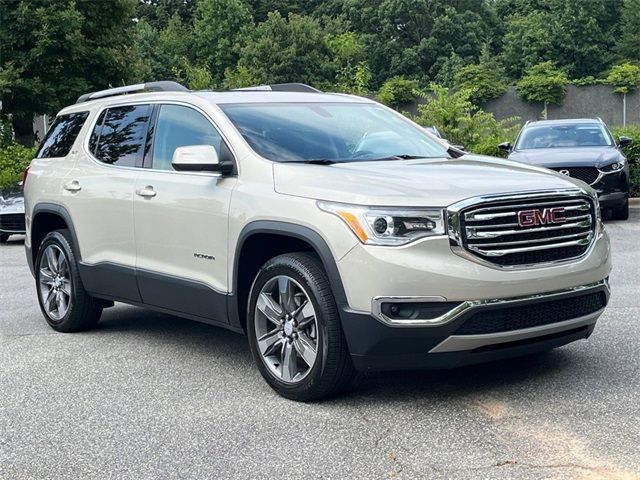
[468, 305]
[456, 343]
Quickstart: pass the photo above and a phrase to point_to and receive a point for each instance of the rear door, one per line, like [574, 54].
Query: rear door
[98, 193]
[181, 219]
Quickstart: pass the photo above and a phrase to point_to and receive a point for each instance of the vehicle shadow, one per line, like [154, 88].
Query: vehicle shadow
[232, 351]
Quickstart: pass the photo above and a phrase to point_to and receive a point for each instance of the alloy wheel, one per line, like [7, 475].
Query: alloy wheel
[286, 329]
[54, 282]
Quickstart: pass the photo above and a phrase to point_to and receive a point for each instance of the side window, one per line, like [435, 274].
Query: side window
[62, 135]
[119, 139]
[179, 126]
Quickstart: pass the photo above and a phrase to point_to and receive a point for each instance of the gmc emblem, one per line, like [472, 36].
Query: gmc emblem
[531, 218]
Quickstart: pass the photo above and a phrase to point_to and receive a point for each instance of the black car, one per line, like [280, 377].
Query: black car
[11, 213]
[579, 148]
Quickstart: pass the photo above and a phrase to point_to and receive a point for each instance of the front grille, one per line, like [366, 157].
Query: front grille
[12, 222]
[493, 231]
[532, 315]
[586, 174]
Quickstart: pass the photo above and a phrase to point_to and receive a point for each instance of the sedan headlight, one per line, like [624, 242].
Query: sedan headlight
[388, 226]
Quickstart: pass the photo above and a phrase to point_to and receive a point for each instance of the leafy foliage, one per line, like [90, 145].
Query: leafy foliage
[625, 77]
[628, 43]
[632, 153]
[463, 123]
[398, 91]
[14, 159]
[482, 81]
[543, 83]
[281, 50]
[219, 28]
[53, 51]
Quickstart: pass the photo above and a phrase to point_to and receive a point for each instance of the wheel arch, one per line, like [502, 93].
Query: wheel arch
[248, 260]
[47, 217]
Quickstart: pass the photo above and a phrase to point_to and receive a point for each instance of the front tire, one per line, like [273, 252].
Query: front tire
[63, 300]
[294, 329]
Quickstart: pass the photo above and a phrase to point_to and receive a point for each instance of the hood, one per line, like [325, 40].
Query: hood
[568, 157]
[428, 182]
[11, 201]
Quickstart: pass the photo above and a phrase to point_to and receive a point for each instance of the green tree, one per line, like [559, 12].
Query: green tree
[625, 78]
[398, 91]
[352, 71]
[463, 123]
[282, 50]
[527, 41]
[163, 52]
[577, 36]
[628, 43]
[482, 81]
[52, 51]
[543, 83]
[219, 27]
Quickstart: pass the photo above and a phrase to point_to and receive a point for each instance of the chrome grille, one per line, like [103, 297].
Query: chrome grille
[493, 232]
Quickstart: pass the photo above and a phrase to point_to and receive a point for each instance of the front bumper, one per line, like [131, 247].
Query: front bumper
[613, 189]
[12, 223]
[482, 331]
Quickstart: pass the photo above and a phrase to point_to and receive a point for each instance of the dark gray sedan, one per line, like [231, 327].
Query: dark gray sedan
[11, 213]
[579, 148]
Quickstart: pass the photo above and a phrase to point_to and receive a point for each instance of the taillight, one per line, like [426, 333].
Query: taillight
[24, 176]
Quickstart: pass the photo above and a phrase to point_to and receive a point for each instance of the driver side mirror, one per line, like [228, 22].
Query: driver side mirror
[198, 158]
[625, 141]
[505, 146]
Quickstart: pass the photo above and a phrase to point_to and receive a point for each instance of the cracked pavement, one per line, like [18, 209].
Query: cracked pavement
[148, 395]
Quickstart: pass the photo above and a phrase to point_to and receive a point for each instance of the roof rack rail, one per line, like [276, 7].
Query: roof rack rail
[163, 86]
[281, 87]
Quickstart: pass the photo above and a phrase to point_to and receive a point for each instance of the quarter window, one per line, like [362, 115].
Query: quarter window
[62, 135]
[119, 135]
[179, 126]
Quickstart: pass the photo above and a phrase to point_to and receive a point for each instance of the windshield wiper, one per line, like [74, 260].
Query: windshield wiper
[314, 161]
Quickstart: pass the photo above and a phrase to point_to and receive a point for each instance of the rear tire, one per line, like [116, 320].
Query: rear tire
[4, 237]
[621, 213]
[65, 304]
[294, 329]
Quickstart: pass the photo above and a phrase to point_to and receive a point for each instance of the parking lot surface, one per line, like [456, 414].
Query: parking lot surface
[148, 395]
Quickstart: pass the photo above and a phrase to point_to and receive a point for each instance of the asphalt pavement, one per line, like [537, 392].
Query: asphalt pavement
[151, 396]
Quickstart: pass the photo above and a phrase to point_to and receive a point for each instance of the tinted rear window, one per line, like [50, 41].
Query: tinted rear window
[62, 135]
[119, 135]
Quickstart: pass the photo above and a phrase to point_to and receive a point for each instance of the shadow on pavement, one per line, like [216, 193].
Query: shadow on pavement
[233, 351]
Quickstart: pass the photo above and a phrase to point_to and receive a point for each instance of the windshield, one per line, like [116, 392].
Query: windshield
[334, 132]
[564, 136]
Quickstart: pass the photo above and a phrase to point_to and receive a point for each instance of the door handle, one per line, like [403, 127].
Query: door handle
[72, 186]
[146, 192]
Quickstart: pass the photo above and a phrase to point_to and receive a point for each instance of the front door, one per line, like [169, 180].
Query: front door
[181, 221]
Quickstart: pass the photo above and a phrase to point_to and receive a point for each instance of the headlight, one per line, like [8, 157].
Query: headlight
[613, 167]
[388, 226]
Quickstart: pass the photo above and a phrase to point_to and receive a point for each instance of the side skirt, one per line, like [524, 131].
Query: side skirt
[163, 293]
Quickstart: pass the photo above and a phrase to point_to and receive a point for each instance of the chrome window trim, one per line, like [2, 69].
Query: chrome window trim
[455, 234]
[92, 124]
[468, 305]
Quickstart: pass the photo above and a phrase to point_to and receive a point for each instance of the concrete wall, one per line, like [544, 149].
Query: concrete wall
[589, 101]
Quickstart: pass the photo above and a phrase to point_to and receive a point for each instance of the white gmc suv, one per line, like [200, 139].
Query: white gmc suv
[335, 233]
